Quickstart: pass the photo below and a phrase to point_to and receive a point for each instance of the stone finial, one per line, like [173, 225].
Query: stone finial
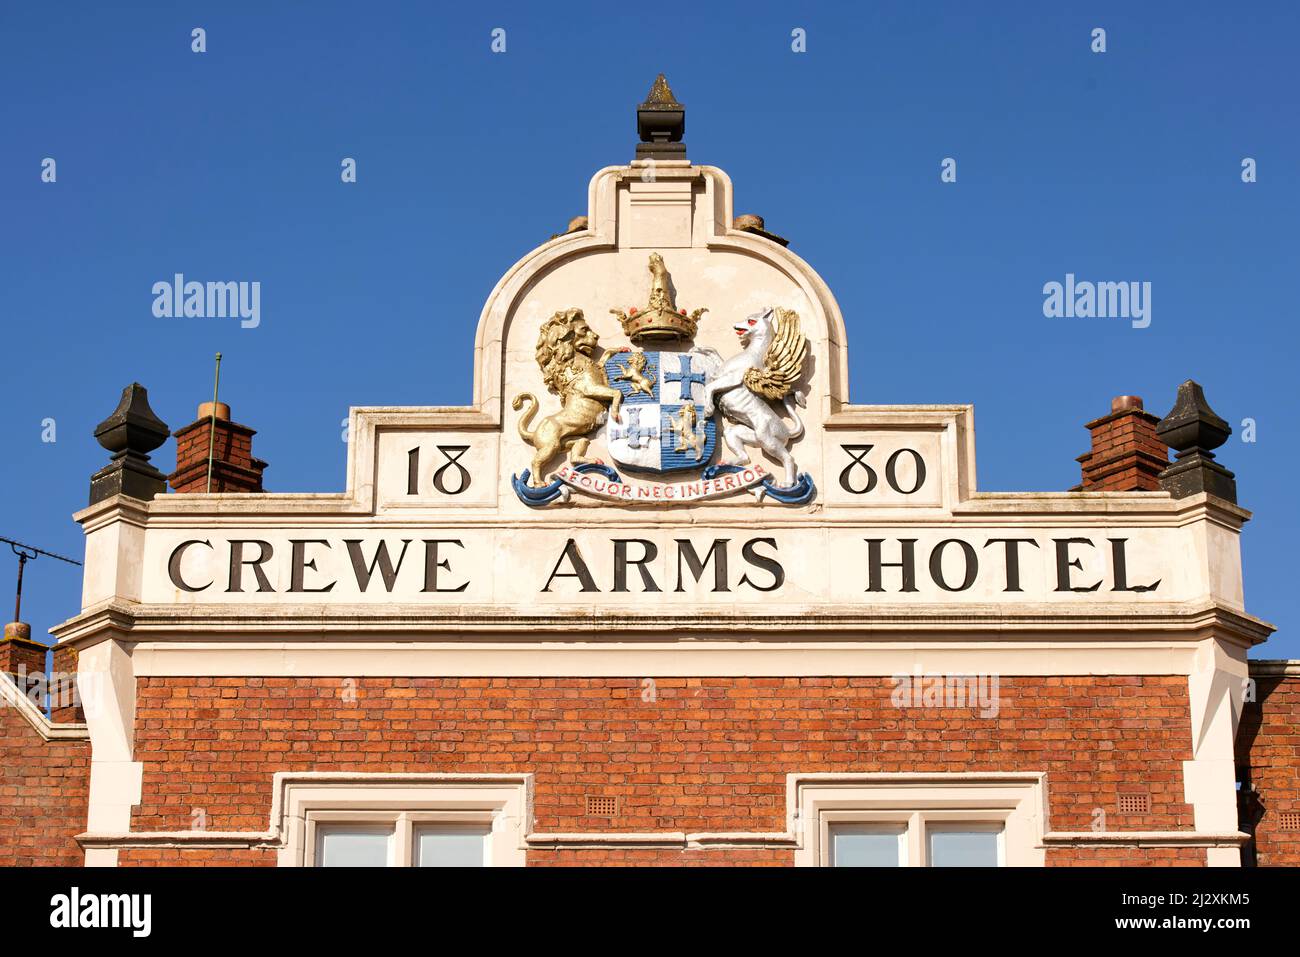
[661, 124]
[1192, 429]
[130, 433]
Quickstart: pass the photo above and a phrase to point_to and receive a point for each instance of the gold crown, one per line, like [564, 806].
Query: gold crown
[660, 320]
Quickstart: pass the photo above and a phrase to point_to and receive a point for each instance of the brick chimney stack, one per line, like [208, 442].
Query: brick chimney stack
[65, 702]
[21, 658]
[1126, 455]
[24, 661]
[233, 467]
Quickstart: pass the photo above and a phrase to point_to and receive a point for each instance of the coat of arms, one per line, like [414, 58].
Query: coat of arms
[659, 407]
[661, 428]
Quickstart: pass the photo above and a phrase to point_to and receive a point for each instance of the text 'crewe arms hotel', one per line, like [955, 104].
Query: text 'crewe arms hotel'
[461, 565]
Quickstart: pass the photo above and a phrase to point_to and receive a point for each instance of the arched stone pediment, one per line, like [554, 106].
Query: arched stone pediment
[684, 213]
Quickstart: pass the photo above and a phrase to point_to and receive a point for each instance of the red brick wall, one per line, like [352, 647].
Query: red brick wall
[1126, 857]
[43, 794]
[710, 754]
[1268, 750]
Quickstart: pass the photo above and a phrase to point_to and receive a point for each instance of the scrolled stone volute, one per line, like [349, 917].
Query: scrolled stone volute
[1192, 430]
[131, 432]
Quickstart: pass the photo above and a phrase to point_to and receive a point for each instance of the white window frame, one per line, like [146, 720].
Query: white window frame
[879, 824]
[1012, 803]
[313, 848]
[402, 824]
[930, 822]
[404, 802]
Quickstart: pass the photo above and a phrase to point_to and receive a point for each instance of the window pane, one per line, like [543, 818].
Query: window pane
[854, 845]
[964, 848]
[444, 846]
[348, 846]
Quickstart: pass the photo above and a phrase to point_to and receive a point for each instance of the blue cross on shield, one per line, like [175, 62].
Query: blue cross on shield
[662, 428]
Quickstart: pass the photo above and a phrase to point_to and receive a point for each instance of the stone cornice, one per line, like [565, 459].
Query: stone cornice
[340, 509]
[1065, 622]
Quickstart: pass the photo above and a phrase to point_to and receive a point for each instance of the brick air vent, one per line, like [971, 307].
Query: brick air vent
[601, 806]
[1288, 821]
[1135, 804]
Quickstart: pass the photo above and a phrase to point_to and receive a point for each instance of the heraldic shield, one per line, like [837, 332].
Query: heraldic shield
[662, 428]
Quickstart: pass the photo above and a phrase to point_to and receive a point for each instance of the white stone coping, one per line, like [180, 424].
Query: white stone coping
[1274, 667]
[12, 696]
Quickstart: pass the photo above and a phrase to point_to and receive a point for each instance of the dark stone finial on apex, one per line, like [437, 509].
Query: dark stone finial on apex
[131, 432]
[1193, 430]
[661, 124]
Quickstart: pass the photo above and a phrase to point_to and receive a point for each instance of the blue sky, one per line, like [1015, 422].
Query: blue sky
[225, 165]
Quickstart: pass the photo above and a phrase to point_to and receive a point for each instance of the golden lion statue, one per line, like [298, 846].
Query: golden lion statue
[565, 347]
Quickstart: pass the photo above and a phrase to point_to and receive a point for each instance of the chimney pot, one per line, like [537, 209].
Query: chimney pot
[1122, 402]
[223, 411]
